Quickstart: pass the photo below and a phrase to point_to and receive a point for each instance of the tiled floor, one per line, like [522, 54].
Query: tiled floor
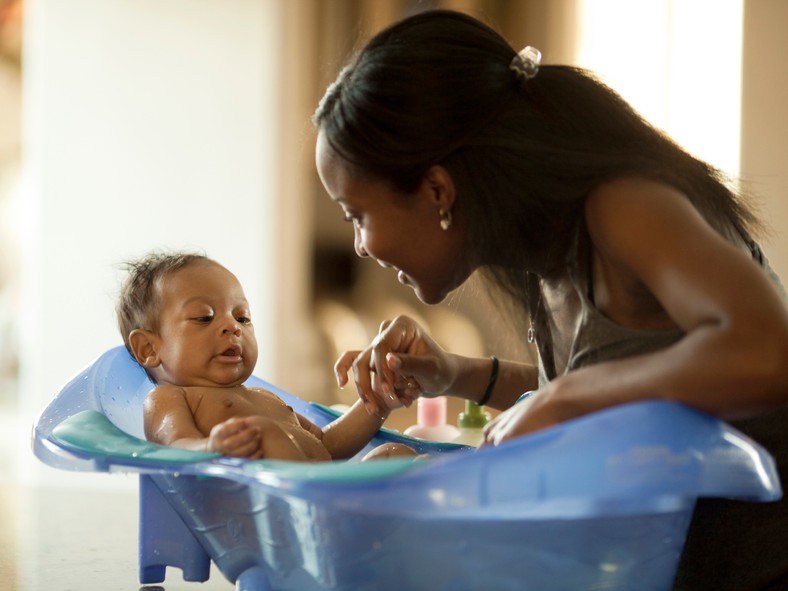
[62, 531]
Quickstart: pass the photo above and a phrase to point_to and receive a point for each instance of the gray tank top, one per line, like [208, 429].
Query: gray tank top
[597, 338]
[731, 545]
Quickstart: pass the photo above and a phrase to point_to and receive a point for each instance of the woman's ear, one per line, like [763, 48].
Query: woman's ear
[144, 346]
[440, 187]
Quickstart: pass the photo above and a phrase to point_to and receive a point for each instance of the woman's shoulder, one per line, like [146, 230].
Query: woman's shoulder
[624, 211]
[632, 190]
[640, 200]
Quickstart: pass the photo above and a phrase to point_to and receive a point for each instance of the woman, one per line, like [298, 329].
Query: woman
[450, 153]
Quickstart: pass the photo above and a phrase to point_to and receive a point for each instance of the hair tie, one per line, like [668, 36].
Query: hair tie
[525, 64]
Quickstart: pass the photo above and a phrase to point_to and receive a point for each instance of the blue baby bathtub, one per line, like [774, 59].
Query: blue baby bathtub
[601, 502]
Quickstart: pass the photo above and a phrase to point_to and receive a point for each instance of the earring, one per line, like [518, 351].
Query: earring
[445, 220]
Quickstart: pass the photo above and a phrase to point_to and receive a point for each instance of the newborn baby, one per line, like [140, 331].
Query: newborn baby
[186, 320]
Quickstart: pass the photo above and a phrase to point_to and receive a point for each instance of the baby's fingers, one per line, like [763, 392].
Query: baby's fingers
[236, 437]
[244, 443]
[343, 366]
[368, 384]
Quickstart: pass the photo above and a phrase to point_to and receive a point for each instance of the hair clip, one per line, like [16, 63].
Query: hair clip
[526, 63]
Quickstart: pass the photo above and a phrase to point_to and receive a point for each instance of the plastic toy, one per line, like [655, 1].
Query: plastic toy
[602, 502]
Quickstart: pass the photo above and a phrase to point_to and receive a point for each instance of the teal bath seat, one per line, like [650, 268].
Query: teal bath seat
[601, 502]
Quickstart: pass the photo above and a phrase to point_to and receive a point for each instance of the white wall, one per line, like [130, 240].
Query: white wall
[712, 73]
[147, 123]
[678, 62]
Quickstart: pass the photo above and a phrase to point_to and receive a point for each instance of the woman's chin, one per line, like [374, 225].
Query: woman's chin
[429, 295]
[428, 298]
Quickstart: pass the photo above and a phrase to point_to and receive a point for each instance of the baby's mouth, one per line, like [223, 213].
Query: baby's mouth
[232, 352]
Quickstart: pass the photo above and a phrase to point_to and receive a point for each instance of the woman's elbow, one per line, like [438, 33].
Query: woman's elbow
[767, 365]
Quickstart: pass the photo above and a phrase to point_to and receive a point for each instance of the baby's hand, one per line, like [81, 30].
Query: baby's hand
[235, 437]
[401, 364]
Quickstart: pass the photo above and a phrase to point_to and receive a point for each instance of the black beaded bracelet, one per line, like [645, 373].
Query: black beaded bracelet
[491, 384]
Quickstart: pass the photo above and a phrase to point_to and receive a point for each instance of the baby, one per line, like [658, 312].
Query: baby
[186, 320]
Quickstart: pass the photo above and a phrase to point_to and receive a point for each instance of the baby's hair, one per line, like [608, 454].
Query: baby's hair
[137, 305]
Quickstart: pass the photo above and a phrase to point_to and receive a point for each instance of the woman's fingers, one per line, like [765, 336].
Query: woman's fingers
[399, 365]
[407, 388]
[491, 429]
[539, 410]
[510, 423]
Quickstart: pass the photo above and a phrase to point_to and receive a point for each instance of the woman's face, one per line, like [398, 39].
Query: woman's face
[401, 232]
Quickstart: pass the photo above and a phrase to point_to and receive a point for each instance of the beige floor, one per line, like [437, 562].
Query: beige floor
[76, 540]
[64, 531]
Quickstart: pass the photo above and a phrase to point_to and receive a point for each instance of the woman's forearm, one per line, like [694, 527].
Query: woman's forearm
[710, 369]
[473, 379]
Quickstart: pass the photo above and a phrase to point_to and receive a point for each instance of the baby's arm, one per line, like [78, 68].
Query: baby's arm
[347, 435]
[169, 421]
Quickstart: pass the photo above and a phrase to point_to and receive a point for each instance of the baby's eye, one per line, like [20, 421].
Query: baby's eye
[203, 319]
[244, 319]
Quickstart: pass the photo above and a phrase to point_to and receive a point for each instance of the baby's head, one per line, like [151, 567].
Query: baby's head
[186, 320]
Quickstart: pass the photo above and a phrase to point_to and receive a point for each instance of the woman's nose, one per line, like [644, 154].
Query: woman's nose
[358, 245]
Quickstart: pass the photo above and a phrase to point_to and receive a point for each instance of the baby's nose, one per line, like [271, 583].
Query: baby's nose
[232, 327]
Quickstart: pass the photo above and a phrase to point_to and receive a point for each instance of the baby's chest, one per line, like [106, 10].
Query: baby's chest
[213, 410]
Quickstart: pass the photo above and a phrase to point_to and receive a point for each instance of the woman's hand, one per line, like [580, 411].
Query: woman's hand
[401, 364]
[539, 410]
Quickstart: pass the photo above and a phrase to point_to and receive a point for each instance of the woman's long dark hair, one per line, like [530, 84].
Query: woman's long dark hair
[436, 88]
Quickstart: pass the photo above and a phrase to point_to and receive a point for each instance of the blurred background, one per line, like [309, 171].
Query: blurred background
[139, 124]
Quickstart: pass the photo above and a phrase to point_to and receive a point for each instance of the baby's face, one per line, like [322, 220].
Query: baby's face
[206, 337]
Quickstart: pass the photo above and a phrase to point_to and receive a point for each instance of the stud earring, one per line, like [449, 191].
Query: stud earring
[445, 220]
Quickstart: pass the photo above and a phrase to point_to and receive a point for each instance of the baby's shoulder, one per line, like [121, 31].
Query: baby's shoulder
[165, 391]
[164, 399]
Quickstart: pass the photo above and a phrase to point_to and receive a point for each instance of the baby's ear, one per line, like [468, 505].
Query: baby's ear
[144, 345]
